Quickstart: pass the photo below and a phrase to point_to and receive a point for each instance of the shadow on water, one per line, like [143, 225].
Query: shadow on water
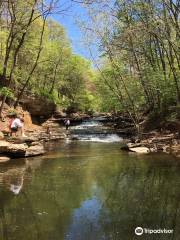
[89, 191]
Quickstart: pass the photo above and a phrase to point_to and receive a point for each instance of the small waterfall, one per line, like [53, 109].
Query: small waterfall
[94, 131]
[88, 124]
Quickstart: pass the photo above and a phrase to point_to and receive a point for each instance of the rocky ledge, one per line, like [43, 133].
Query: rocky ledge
[30, 146]
[169, 143]
[20, 148]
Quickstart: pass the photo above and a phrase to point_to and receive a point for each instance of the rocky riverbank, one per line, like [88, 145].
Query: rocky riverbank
[155, 141]
[157, 136]
[167, 143]
[53, 129]
[37, 133]
[32, 145]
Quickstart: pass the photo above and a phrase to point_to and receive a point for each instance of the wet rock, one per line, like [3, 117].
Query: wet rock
[35, 151]
[74, 138]
[21, 150]
[127, 146]
[141, 150]
[16, 150]
[4, 159]
[133, 145]
[137, 147]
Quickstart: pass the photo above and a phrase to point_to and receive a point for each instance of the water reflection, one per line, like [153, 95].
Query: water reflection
[88, 191]
[86, 221]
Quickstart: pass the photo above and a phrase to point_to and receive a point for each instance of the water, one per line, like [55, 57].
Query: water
[89, 191]
[100, 138]
[95, 131]
[87, 124]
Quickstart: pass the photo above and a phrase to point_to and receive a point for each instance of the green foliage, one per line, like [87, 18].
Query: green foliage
[141, 55]
[12, 112]
[7, 92]
[59, 75]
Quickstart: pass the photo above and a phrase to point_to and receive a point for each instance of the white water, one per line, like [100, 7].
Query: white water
[93, 136]
[99, 138]
[87, 124]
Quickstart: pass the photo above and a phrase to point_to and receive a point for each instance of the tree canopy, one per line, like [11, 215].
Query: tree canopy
[37, 58]
[138, 46]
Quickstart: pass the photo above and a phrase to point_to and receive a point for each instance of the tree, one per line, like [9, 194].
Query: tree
[139, 42]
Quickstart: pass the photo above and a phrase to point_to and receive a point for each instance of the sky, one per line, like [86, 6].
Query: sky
[68, 19]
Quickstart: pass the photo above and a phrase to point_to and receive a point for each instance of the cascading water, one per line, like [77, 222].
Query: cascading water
[95, 131]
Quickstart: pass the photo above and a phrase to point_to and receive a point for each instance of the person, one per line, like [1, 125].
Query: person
[67, 123]
[17, 124]
[48, 131]
[10, 123]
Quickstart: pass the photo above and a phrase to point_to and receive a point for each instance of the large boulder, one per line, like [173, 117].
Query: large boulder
[39, 107]
[4, 159]
[14, 150]
[142, 150]
[35, 151]
[136, 147]
[21, 149]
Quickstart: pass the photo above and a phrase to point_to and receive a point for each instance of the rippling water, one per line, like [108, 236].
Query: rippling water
[87, 124]
[94, 131]
[89, 191]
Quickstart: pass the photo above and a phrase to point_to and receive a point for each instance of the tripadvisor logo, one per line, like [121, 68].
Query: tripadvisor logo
[139, 231]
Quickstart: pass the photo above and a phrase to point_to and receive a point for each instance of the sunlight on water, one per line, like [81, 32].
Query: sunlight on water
[86, 124]
[100, 138]
[89, 191]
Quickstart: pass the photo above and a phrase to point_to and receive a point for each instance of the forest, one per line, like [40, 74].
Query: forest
[138, 66]
[89, 137]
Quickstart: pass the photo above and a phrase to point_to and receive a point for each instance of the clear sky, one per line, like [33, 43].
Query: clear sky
[68, 18]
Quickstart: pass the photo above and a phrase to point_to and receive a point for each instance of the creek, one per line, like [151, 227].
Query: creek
[89, 190]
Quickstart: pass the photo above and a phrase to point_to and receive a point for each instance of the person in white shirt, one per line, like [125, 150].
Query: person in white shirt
[16, 125]
[67, 123]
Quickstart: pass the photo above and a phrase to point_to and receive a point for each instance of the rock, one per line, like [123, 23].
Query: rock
[140, 150]
[4, 159]
[21, 150]
[38, 107]
[74, 138]
[20, 140]
[17, 150]
[136, 147]
[124, 146]
[163, 139]
[1, 135]
[127, 146]
[35, 150]
[78, 116]
[133, 145]
[59, 113]
[3, 146]
[36, 143]
[175, 150]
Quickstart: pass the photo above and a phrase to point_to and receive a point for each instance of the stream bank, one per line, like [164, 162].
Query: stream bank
[99, 127]
[39, 129]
